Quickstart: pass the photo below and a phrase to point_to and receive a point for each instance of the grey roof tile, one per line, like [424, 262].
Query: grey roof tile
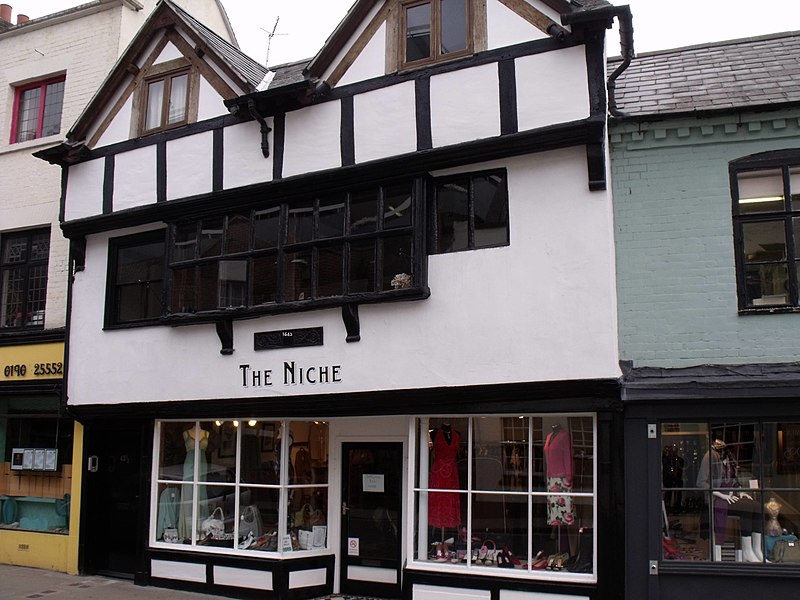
[737, 73]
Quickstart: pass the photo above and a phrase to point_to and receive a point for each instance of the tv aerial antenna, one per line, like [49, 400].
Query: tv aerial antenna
[270, 35]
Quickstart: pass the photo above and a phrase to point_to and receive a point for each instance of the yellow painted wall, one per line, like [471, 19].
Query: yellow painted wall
[48, 550]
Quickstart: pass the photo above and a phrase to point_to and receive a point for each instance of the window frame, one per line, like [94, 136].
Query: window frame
[115, 245]
[27, 315]
[785, 162]
[165, 73]
[418, 459]
[414, 231]
[434, 215]
[284, 486]
[435, 55]
[42, 85]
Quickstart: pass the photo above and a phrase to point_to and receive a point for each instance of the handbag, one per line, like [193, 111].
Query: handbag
[250, 521]
[786, 551]
[214, 526]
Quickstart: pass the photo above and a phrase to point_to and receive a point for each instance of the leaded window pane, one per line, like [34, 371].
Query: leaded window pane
[53, 103]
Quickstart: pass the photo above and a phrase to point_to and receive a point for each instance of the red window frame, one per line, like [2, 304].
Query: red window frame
[18, 91]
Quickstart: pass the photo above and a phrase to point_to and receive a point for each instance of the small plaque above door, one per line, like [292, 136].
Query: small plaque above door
[287, 338]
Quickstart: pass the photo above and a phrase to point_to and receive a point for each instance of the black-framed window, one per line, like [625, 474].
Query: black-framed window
[730, 489]
[351, 246]
[24, 257]
[435, 30]
[136, 276]
[469, 211]
[766, 217]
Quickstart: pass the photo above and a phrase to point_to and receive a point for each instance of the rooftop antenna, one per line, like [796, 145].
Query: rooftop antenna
[270, 35]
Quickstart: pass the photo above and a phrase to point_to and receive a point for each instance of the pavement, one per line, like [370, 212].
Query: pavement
[35, 584]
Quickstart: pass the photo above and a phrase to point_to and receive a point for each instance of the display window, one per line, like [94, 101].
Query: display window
[36, 479]
[242, 486]
[731, 491]
[510, 493]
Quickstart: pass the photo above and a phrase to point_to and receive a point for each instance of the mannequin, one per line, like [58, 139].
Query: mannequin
[558, 465]
[185, 513]
[720, 465]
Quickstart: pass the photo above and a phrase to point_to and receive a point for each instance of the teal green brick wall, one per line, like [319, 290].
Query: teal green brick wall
[676, 279]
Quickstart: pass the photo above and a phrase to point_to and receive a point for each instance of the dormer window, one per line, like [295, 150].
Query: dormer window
[435, 30]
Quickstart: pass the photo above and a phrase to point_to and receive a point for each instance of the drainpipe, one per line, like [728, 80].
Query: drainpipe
[265, 129]
[623, 15]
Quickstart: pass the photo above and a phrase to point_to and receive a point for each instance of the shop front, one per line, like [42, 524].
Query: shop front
[39, 443]
[445, 504]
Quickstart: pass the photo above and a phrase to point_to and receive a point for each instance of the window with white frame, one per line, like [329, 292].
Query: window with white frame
[507, 493]
[241, 486]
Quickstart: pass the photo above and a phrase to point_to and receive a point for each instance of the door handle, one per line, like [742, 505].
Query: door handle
[345, 508]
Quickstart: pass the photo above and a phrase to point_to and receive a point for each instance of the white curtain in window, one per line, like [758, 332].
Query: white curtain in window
[177, 99]
[155, 95]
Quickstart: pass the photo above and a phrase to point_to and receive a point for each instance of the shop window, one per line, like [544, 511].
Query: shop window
[435, 30]
[766, 209]
[243, 486]
[469, 211]
[36, 479]
[507, 492]
[37, 110]
[361, 245]
[731, 491]
[23, 277]
[165, 101]
[136, 268]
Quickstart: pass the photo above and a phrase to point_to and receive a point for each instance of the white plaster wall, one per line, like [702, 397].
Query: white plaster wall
[385, 122]
[210, 102]
[465, 105]
[190, 165]
[312, 141]
[346, 47]
[85, 189]
[243, 162]
[505, 27]
[552, 88]
[543, 308]
[371, 62]
[135, 178]
[170, 52]
[119, 129]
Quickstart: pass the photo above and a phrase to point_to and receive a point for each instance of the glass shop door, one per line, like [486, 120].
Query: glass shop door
[371, 518]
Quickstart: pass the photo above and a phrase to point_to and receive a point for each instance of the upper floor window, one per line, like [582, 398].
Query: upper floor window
[136, 273]
[23, 278]
[359, 245]
[165, 101]
[435, 30]
[766, 209]
[37, 110]
[469, 211]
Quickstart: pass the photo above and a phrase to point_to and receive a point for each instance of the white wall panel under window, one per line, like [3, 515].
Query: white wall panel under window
[465, 105]
[85, 189]
[135, 178]
[189, 165]
[312, 141]
[385, 122]
[243, 162]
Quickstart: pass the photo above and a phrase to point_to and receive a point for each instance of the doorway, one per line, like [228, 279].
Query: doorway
[112, 519]
[372, 520]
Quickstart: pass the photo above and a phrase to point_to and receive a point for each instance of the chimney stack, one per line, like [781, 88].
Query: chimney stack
[22, 19]
[5, 12]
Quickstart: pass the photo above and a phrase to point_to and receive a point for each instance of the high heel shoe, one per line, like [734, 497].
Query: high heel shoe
[491, 553]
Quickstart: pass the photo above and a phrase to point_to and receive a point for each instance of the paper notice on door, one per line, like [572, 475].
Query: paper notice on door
[352, 546]
[372, 483]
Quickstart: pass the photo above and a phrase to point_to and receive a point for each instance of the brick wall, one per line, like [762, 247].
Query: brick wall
[674, 236]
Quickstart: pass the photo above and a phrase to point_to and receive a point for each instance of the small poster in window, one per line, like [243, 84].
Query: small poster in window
[352, 547]
[286, 544]
[319, 534]
[38, 459]
[50, 459]
[372, 483]
[27, 458]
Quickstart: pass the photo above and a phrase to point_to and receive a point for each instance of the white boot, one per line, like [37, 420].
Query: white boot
[717, 553]
[757, 546]
[747, 550]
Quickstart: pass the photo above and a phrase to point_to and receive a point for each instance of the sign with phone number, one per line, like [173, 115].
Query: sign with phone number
[32, 362]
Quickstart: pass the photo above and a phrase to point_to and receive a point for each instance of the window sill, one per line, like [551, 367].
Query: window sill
[738, 569]
[483, 571]
[42, 141]
[769, 310]
[235, 552]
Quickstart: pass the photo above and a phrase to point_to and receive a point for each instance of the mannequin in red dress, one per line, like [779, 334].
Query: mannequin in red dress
[444, 508]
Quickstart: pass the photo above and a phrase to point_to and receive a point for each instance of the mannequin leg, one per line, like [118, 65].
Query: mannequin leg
[747, 549]
[757, 546]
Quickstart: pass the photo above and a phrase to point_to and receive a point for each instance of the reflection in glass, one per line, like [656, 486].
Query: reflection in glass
[266, 228]
[454, 25]
[363, 211]
[331, 217]
[211, 236]
[397, 206]
[265, 279]
[330, 273]
[760, 191]
[491, 211]
[185, 241]
[452, 214]
[183, 296]
[362, 267]
[397, 263]
[301, 222]
[237, 234]
[298, 276]
[418, 32]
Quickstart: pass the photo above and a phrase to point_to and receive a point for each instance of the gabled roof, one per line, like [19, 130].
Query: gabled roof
[237, 65]
[744, 73]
